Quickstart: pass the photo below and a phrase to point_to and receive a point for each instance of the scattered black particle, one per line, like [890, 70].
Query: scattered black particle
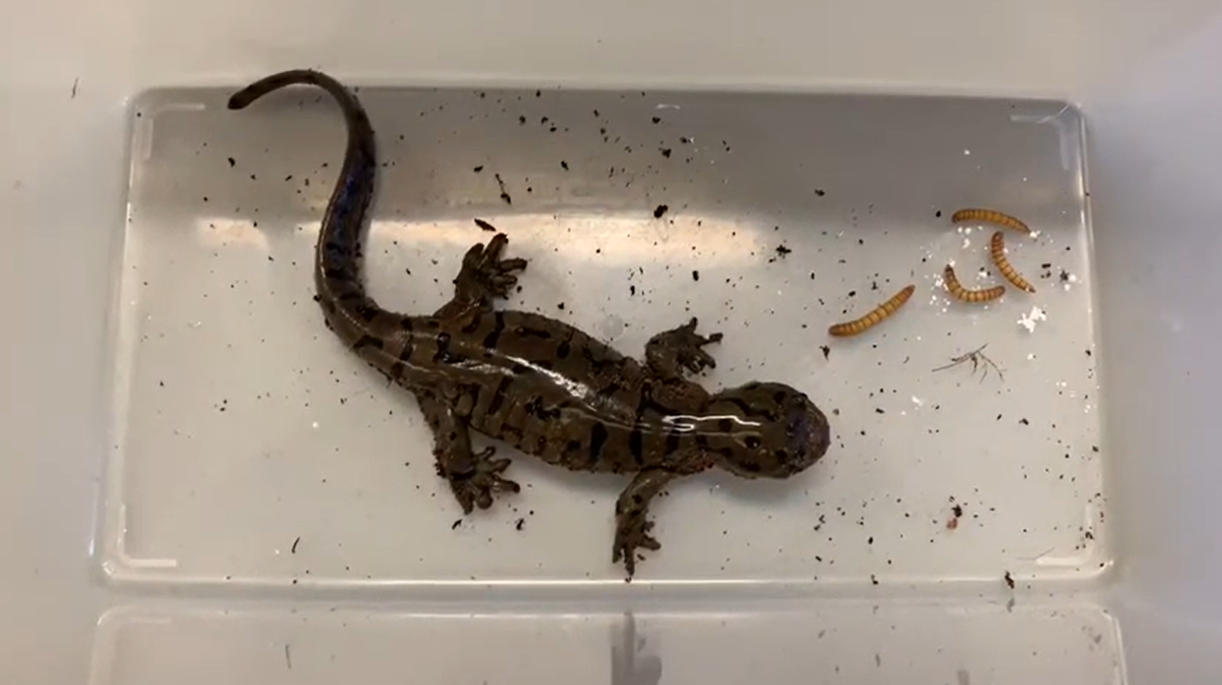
[456, 524]
[205, 198]
[520, 524]
[938, 214]
[957, 510]
[478, 168]
[827, 351]
[485, 225]
[253, 177]
[1025, 422]
[1088, 353]
[1046, 265]
[666, 152]
[852, 293]
[659, 211]
[1009, 580]
[870, 541]
[685, 140]
[522, 119]
[294, 549]
[873, 579]
[695, 275]
[819, 192]
[632, 290]
[782, 250]
[879, 410]
[564, 165]
[560, 306]
[504, 194]
[657, 120]
[232, 162]
[1064, 276]
[538, 93]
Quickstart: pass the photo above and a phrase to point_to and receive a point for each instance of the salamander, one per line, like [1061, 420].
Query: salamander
[537, 383]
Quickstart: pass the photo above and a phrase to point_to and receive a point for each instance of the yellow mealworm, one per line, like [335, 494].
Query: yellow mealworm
[998, 250]
[876, 315]
[990, 216]
[960, 293]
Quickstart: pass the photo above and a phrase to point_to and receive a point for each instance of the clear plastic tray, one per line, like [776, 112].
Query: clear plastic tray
[250, 449]
[844, 642]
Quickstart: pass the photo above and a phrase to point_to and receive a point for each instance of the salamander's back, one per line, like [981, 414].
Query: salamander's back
[1013, 482]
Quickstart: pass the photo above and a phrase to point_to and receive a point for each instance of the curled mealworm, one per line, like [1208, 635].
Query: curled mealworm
[998, 250]
[990, 216]
[875, 315]
[960, 293]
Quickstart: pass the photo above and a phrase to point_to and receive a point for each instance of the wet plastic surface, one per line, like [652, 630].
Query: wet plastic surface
[251, 448]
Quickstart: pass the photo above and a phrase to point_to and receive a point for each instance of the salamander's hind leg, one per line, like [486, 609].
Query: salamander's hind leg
[670, 352]
[484, 277]
[473, 476]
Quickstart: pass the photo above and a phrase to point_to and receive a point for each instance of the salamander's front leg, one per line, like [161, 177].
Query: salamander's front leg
[632, 525]
[669, 353]
[473, 477]
[484, 277]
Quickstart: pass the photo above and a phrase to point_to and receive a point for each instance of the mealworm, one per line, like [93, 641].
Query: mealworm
[990, 216]
[875, 315]
[998, 250]
[960, 293]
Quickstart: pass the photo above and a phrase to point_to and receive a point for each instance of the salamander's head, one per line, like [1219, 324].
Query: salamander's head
[765, 430]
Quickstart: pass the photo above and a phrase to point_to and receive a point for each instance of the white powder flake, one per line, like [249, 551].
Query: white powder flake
[1027, 321]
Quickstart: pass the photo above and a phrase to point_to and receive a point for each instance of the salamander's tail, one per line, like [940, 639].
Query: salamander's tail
[338, 258]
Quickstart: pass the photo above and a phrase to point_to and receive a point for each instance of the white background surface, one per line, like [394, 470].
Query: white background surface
[1144, 72]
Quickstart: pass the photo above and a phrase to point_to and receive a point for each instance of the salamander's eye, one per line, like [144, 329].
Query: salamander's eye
[752, 442]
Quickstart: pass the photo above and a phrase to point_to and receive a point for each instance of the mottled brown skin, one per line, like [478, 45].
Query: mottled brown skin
[537, 383]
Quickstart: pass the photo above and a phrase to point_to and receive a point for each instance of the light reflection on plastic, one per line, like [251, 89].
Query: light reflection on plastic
[621, 239]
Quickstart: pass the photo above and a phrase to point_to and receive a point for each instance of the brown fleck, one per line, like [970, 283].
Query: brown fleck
[827, 351]
[504, 194]
[659, 211]
[1009, 580]
[485, 225]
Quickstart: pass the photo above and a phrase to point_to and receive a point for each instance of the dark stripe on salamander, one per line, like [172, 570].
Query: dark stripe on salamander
[368, 341]
[498, 326]
[565, 346]
[498, 395]
[636, 447]
[598, 439]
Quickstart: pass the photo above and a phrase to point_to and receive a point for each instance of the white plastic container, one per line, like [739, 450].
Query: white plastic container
[238, 498]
